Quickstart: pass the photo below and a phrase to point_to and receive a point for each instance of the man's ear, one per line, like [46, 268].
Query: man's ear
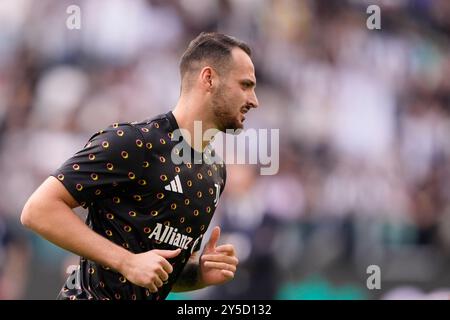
[207, 78]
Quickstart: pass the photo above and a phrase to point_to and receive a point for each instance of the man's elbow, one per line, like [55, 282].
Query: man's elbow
[29, 216]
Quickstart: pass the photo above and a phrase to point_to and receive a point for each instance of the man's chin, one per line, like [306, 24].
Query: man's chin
[236, 128]
[233, 131]
[233, 127]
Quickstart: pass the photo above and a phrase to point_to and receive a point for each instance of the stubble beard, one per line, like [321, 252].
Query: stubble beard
[224, 117]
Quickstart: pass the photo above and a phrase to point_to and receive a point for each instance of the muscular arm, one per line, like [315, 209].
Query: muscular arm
[49, 213]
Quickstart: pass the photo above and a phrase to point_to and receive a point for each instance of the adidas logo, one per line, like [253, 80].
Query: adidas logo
[175, 185]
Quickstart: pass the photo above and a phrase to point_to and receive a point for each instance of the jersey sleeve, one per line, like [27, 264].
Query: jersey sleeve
[110, 159]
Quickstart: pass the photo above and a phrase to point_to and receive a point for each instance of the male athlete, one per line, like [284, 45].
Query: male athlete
[147, 214]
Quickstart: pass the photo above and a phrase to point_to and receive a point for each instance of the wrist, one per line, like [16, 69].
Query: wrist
[190, 279]
[122, 261]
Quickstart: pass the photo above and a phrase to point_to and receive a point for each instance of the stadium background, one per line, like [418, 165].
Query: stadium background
[364, 120]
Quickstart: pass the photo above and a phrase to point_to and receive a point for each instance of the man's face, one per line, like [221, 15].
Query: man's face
[235, 95]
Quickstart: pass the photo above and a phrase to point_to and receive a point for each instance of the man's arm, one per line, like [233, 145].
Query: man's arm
[217, 265]
[190, 276]
[49, 213]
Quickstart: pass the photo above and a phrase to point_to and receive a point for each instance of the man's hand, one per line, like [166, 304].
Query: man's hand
[149, 269]
[217, 264]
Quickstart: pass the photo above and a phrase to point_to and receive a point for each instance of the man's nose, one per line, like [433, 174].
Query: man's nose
[253, 101]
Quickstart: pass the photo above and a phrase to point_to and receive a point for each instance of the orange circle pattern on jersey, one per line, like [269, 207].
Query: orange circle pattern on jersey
[125, 176]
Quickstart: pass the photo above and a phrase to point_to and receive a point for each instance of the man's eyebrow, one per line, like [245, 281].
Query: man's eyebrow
[249, 82]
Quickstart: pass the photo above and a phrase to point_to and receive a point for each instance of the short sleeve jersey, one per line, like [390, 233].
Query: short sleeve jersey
[138, 198]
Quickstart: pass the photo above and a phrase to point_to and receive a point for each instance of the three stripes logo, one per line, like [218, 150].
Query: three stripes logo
[174, 185]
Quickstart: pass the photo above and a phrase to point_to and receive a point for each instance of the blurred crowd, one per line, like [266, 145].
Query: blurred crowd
[364, 119]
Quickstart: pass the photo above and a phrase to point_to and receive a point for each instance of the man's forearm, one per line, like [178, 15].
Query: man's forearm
[190, 278]
[56, 222]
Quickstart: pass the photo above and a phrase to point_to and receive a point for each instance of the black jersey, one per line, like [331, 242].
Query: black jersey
[139, 199]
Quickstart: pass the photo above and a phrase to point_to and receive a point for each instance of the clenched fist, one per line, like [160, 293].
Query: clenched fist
[149, 269]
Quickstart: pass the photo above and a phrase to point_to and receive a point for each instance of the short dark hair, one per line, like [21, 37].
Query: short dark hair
[213, 47]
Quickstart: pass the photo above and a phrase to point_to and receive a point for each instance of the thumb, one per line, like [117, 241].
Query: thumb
[215, 235]
[167, 253]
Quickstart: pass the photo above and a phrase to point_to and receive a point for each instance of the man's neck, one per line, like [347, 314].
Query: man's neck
[187, 112]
